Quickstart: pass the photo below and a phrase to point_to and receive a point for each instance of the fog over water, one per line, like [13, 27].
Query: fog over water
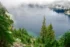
[9, 3]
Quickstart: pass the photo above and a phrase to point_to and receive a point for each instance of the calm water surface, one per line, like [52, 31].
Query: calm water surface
[31, 19]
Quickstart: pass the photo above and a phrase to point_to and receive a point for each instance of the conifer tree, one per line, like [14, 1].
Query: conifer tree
[47, 34]
[43, 31]
[50, 36]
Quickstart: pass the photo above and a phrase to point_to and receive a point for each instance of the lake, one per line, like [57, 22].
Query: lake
[31, 19]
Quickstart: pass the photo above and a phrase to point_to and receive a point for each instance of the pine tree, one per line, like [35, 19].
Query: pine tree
[5, 23]
[43, 31]
[50, 36]
[47, 34]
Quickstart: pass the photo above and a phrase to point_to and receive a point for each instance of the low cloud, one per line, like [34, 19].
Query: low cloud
[16, 2]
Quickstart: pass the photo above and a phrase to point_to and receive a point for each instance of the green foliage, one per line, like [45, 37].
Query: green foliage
[50, 38]
[43, 33]
[65, 40]
[47, 34]
[50, 34]
[5, 23]
[46, 38]
[22, 35]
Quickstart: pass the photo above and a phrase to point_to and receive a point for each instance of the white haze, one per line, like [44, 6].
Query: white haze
[10, 3]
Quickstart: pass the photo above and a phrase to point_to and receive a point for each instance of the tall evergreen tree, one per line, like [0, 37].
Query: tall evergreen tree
[43, 30]
[50, 33]
[47, 34]
[50, 38]
[5, 23]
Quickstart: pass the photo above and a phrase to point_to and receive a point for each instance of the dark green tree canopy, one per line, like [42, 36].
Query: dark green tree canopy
[5, 24]
[43, 32]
